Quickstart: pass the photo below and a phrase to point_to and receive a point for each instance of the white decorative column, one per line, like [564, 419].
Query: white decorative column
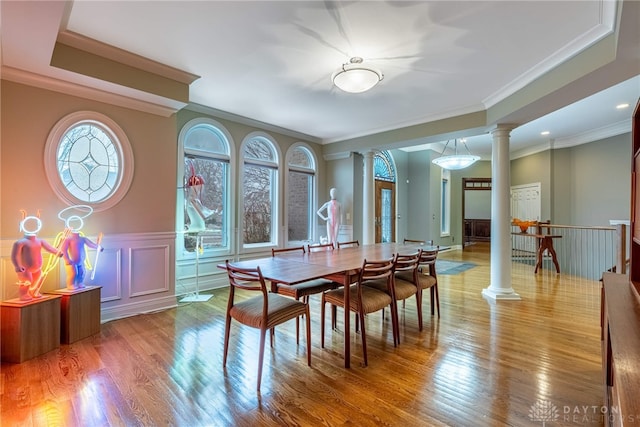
[500, 286]
[368, 201]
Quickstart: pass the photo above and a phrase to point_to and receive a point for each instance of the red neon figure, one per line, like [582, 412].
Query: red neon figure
[26, 256]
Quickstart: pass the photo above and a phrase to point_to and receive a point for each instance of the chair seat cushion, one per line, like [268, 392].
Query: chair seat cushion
[372, 299]
[304, 289]
[404, 289]
[426, 281]
[407, 276]
[281, 309]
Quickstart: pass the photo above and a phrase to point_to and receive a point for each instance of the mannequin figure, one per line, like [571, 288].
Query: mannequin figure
[74, 252]
[332, 216]
[26, 256]
[196, 211]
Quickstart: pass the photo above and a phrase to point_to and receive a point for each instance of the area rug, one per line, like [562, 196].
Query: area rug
[452, 267]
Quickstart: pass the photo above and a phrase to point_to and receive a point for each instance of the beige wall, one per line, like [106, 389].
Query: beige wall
[29, 114]
[598, 177]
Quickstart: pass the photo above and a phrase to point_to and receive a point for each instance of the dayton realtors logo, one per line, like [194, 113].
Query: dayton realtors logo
[543, 411]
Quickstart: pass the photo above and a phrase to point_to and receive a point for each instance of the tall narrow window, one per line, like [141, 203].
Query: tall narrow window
[259, 192]
[300, 191]
[204, 186]
[445, 203]
[385, 205]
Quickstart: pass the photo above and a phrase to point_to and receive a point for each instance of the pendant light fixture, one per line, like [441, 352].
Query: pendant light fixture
[456, 161]
[355, 77]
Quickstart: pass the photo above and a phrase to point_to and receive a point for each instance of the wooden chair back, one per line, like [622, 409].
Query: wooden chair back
[248, 279]
[407, 262]
[376, 270]
[350, 244]
[321, 247]
[275, 251]
[428, 259]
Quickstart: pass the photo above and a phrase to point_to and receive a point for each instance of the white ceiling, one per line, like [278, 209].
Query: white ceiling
[271, 61]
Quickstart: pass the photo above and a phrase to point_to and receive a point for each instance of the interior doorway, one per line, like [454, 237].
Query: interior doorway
[476, 210]
[385, 223]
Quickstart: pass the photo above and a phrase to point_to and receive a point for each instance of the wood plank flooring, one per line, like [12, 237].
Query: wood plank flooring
[511, 363]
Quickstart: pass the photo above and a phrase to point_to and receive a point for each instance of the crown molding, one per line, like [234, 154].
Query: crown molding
[159, 106]
[203, 109]
[530, 150]
[592, 135]
[604, 132]
[605, 27]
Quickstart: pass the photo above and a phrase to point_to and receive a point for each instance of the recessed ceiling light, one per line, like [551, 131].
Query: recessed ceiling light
[622, 106]
[546, 132]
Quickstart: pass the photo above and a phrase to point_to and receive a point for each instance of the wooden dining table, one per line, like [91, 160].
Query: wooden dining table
[340, 265]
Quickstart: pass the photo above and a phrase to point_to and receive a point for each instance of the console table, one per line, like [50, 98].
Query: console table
[545, 242]
[80, 313]
[29, 328]
[621, 348]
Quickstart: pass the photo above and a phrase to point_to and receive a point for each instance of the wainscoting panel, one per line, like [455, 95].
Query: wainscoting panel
[136, 272]
[149, 273]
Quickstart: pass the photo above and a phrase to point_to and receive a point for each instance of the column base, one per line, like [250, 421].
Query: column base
[503, 294]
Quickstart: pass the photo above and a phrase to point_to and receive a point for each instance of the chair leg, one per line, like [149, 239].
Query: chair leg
[322, 322]
[435, 287]
[304, 299]
[395, 324]
[261, 356]
[308, 321]
[432, 291]
[334, 317]
[227, 329]
[364, 340]
[419, 307]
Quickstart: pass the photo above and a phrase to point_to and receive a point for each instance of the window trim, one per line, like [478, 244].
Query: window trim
[445, 203]
[313, 206]
[120, 142]
[276, 165]
[229, 158]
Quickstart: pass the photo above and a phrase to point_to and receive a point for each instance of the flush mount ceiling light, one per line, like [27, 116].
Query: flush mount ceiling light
[354, 77]
[456, 161]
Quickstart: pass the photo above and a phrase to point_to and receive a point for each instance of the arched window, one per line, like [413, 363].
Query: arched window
[259, 191]
[383, 168]
[300, 192]
[88, 160]
[204, 182]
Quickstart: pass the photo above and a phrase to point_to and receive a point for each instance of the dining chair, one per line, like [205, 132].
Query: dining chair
[421, 242]
[300, 290]
[366, 299]
[406, 281]
[427, 278]
[264, 311]
[350, 244]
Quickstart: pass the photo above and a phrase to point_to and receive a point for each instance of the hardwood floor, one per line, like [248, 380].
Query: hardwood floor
[517, 363]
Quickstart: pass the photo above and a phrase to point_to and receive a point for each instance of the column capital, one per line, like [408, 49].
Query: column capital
[502, 128]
